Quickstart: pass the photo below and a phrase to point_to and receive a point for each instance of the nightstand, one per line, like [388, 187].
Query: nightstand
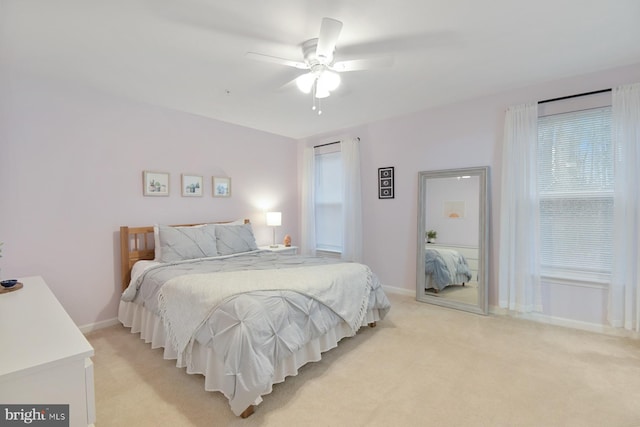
[281, 249]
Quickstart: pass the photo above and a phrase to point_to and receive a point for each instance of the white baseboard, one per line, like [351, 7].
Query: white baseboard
[566, 323]
[401, 291]
[85, 329]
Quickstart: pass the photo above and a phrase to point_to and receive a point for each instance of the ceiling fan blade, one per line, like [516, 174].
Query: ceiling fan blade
[329, 33]
[289, 85]
[277, 60]
[362, 64]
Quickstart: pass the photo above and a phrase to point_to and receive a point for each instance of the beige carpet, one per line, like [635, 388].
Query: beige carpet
[422, 366]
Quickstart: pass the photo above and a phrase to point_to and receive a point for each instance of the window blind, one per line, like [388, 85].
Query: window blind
[575, 188]
[328, 201]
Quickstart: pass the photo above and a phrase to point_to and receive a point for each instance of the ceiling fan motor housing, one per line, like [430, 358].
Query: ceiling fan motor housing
[309, 50]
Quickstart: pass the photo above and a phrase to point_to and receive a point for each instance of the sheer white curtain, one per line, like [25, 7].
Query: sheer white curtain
[624, 292]
[519, 272]
[351, 201]
[308, 220]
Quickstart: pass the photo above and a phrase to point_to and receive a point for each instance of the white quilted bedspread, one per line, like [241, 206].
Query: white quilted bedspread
[256, 309]
[187, 301]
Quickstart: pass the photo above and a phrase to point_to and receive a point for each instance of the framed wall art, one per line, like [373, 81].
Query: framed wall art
[191, 185]
[221, 186]
[385, 183]
[155, 183]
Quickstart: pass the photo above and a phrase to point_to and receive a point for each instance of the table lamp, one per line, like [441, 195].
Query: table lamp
[274, 219]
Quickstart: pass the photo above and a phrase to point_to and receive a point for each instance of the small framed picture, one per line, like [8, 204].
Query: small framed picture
[155, 183]
[385, 183]
[221, 186]
[191, 185]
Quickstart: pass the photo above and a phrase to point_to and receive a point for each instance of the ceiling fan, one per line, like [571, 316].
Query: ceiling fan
[322, 76]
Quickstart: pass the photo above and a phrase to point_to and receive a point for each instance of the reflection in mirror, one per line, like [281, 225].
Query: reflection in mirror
[452, 234]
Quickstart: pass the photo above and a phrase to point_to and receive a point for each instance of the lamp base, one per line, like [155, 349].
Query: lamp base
[273, 246]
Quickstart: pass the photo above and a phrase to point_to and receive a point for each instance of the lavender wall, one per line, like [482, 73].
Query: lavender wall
[70, 174]
[461, 135]
[71, 165]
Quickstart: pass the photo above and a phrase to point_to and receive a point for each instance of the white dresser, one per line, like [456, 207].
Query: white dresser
[44, 358]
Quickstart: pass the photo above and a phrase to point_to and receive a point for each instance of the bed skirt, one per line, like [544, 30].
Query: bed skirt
[206, 362]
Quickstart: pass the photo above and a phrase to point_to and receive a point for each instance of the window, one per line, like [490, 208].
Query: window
[328, 198]
[575, 188]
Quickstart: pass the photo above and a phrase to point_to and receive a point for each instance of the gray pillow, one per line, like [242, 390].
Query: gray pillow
[233, 239]
[180, 243]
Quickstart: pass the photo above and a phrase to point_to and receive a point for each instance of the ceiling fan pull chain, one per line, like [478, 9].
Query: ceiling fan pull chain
[313, 95]
[316, 99]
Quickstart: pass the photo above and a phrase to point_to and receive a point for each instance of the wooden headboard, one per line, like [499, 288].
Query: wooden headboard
[137, 243]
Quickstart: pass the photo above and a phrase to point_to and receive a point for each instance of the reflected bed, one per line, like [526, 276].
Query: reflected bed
[445, 267]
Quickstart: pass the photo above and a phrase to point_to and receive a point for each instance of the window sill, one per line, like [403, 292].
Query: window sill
[567, 278]
[328, 254]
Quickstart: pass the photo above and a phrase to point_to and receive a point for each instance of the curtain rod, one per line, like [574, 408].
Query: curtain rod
[331, 143]
[574, 96]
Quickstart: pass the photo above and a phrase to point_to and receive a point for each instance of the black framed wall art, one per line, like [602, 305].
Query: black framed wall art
[385, 183]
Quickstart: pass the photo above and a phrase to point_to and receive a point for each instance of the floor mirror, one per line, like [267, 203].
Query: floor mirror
[452, 238]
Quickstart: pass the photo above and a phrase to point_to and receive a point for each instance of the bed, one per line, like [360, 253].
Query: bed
[244, 318]
[445, 267]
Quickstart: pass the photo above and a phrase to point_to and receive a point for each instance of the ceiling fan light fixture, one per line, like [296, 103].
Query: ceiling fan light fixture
[321, 92]
[305, 82]
[329, 80]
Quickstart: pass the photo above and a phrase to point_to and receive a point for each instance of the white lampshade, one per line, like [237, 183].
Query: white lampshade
[305, 82]
[274, 219]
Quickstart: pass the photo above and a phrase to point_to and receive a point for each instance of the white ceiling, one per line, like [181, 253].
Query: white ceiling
[189, 55]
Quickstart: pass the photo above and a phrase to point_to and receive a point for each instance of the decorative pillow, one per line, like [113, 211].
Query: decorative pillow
[156, 235]
[233, 239]
[180, 243]
[156, 239]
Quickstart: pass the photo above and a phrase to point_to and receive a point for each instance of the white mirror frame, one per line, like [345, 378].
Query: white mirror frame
[482, 306]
